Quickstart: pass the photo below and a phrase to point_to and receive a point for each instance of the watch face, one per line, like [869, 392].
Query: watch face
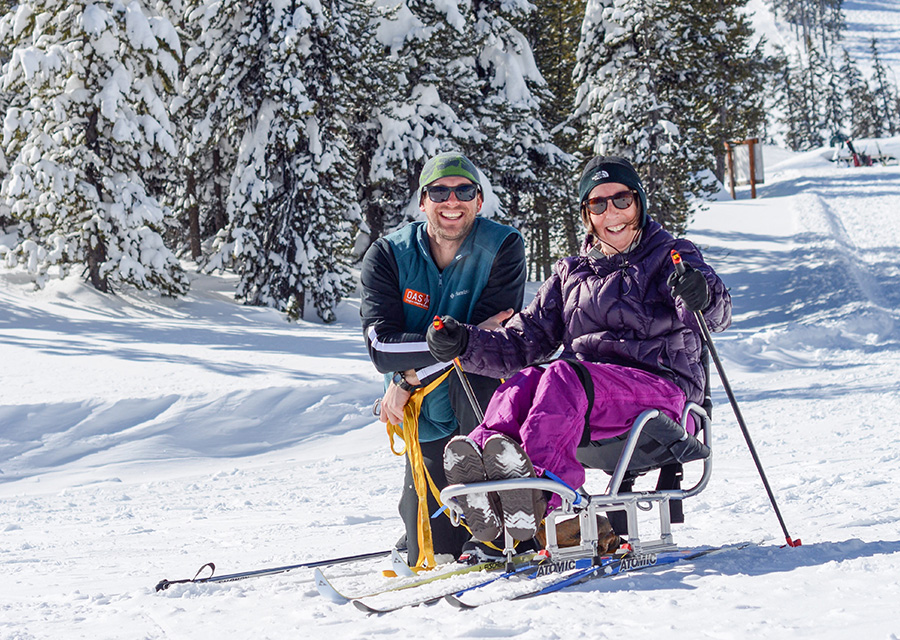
[401, 382]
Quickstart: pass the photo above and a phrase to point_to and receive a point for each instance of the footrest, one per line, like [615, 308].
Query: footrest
[570, 497]
[571, 500]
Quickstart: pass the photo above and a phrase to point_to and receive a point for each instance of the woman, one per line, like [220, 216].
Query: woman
[622, 317]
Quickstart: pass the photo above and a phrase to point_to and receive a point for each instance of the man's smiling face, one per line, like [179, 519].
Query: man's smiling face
[452, 219]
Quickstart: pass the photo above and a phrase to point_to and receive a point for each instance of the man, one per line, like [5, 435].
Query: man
[452, 263]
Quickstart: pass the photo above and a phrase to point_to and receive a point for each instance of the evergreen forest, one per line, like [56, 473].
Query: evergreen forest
[278, 139]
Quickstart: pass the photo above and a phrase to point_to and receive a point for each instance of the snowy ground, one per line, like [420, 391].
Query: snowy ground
[142, 438]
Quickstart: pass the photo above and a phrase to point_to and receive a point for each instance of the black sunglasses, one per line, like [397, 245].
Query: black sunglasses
[441, 193]
[621, 200]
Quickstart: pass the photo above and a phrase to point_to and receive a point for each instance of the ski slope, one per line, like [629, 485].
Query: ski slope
[141, 438]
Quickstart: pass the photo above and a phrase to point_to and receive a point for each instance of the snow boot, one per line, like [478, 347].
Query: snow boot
[523, 509]
[474, 551]
[463, 464]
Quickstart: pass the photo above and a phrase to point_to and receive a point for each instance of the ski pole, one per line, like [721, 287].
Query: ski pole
[707, 337]
[165, 584]
[470, 393]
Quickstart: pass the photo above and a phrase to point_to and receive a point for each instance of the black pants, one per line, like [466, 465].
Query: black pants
[446, 538]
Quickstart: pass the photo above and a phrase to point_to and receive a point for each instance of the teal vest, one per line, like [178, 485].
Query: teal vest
[428, 292]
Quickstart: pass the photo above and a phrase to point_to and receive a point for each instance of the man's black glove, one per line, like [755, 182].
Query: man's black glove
[448, 339]
[691, 287]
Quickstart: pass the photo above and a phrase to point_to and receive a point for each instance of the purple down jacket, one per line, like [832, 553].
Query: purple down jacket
[617, 310]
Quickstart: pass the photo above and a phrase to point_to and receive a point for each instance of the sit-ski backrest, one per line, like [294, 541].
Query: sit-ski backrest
[662, 442]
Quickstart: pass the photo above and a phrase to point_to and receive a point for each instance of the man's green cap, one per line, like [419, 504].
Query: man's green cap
[448, 164]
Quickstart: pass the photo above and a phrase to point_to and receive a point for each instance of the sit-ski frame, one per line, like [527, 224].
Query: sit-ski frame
[588, 507]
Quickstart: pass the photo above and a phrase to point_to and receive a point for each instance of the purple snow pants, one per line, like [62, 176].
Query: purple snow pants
[544, 410]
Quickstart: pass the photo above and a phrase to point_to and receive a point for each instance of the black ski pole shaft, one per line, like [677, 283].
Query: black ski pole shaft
[707, 337]
[469, 391]
[165, 584]
[467, 386]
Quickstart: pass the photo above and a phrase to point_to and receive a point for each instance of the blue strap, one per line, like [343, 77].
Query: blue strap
[552, 476]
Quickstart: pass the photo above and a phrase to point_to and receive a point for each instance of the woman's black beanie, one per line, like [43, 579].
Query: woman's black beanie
[603, 169]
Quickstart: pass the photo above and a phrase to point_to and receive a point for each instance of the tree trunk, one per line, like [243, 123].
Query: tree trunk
[574, 232]
[96, 250]
[373, 214]
[193, 212]
[96, 256]
[218, 205]
[720, 157]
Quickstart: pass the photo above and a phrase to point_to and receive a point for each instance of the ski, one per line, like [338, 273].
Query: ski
[607, 568]
[437, 596]
[529, 570]
[329, 591]
[165, 584]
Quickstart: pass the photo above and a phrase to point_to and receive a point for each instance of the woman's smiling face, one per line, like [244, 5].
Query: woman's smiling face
[615, 228]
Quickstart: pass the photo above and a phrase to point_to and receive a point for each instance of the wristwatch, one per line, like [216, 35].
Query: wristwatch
[401, 382]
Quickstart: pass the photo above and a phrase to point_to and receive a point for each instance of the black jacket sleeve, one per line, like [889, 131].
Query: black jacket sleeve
[391, 347]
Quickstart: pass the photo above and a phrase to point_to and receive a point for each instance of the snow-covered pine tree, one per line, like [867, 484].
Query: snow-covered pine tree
[7, 18]
[833, 23]
[530, 173]
[292, 195]
[798, 103]
[226, 81]
[330, 205]
[6, 100]
[817, 23]
[721, 74]
[374, 76]
[554, 30]
[783, 99]
[94, 125]
[814, 78]
[430, 105]
[6, 8]
[834, 109]
[884, 92]
[631, 78]
[209, 114]
[863, 120]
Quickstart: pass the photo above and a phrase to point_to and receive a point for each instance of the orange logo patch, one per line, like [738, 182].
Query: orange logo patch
[416, 299]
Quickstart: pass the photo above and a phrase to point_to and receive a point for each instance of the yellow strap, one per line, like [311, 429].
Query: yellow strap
[409, 433]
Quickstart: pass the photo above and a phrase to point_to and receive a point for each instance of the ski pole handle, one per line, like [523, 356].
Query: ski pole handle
[676, 260]
[438, 324]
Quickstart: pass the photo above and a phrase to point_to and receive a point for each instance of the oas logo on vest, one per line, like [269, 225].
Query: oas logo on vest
[416, 298]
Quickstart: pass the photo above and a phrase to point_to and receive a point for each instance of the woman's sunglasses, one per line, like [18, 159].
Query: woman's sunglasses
[621, 200]
[440, 193]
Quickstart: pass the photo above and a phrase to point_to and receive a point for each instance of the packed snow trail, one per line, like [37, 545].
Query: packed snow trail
[142, 438]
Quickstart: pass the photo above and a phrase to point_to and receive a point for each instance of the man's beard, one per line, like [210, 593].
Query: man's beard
[444, 234]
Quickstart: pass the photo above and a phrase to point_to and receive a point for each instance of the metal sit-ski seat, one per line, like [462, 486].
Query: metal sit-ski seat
[655, 442]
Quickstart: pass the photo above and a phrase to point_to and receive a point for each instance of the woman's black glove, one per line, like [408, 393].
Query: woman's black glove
[448, 339]
[691, 287]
